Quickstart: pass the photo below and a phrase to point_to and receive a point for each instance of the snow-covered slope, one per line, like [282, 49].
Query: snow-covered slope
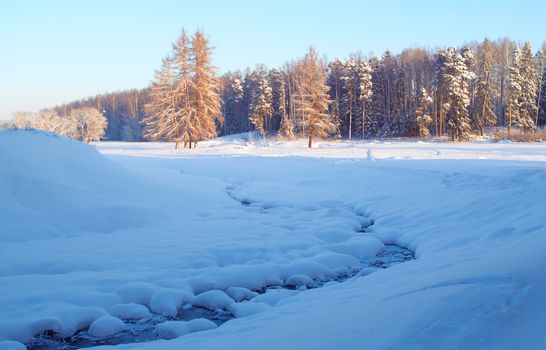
[202, 227]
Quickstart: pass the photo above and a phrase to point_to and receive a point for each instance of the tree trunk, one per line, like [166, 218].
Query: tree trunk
[350, 116]
[310, 139]
[363, 119]
[509, 122]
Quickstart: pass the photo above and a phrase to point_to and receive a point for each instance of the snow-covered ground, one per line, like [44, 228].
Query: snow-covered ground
[91, 240]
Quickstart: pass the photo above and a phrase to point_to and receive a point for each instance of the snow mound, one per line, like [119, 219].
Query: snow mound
[171, 329]
[248, 309]
[213, 300]
[106, 326]
[52, 186]
[11, 345]
[130, 311]
[200, 324]
[240, 293]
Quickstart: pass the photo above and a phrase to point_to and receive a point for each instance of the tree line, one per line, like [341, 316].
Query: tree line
[458, 92]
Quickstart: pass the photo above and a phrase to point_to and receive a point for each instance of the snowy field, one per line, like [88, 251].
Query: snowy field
[273, 239]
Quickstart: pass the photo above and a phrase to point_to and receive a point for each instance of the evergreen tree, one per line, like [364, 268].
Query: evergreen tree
[261, 108]
[376, 106]
[350, 81]
[422, 113]
[484, 115]
[457, 77]
[529, 90]
[364, 76]
[514, 89]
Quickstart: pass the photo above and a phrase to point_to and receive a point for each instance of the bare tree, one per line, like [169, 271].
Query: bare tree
[49, 120]
[89, 123]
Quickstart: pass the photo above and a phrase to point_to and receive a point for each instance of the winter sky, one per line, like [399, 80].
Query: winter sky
[57, 51]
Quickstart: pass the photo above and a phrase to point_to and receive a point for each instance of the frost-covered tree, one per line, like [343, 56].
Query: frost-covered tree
[365, 90]
[277, 80]
[484, 113]
[261, 107]
[422, 113]
[185, 95]
[89, 124]
[376, 106]
[350, 82]
[49, 120]
[163, 120]
[529, 90]
[457, 76]
[514, 89]
[205, 99]
[312, 102]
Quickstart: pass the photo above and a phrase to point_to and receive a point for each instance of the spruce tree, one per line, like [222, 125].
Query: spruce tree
[423, 117]
[484, 113]
[261, 108]
[514, 89]
[457, 77]
[529, 90]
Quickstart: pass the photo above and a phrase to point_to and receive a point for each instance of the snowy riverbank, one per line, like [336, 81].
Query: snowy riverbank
[147, 229]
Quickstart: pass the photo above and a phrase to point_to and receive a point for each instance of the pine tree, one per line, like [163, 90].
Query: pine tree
[484, 115]
[422, 113]
[312, 98]
[514, 89]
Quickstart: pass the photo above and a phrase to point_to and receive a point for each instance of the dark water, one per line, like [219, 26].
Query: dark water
[142, 330]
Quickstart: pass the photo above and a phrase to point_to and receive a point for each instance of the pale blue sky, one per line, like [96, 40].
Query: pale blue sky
[57, 51]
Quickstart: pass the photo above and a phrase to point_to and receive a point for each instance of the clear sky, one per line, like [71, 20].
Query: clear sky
[57, 51]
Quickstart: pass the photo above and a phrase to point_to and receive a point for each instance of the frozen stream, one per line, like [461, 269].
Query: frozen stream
[143, 330]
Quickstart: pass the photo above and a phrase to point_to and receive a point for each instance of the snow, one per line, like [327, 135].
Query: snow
[240, 294]
[130, 311]
[200, 324]
[11, 345]
[106, 326]
[93, 235]
[212, 300]
[171, 329]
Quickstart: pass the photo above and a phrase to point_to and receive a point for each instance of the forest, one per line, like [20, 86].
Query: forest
[418, 92]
